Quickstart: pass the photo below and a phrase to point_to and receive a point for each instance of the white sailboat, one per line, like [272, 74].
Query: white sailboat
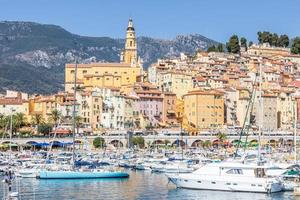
[74, 173]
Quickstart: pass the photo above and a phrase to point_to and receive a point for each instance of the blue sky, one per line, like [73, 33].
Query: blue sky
[216, 19]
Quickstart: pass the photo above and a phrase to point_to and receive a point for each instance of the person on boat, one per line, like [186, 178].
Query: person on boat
[8, 179]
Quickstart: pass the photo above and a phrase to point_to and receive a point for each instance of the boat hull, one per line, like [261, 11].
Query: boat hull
[80, 175]
[221, 184]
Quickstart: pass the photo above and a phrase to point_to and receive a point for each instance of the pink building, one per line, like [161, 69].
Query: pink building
[150, 103]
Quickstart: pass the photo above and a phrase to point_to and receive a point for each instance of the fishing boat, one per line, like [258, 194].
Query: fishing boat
[228, 176]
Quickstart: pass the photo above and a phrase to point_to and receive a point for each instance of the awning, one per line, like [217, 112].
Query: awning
[171, 112]
[162, 124]
[7, 145]
[42, 144]
[61, 131]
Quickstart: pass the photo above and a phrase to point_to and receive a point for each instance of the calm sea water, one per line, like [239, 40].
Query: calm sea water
[140, 185]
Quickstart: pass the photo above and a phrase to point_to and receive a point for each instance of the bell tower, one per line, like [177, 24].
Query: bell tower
[129, 55]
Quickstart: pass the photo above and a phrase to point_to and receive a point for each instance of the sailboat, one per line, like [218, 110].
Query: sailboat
[9, 174]
[74, 173]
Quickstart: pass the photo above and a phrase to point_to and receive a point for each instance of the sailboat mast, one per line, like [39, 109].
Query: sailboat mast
[74, 113]
[10, 135]
[295, 130]
[260, 113]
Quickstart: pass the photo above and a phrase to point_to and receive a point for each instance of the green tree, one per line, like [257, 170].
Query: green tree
[250, 44]
[99, 142]
[244, 43]
[220, 48]
[55, 117]
[78, 123]
[37, 120]
[19, 120]
[233, 45]
[222, 137]
[264, 37]
[295, 49]
[3, 122]
[212, 49]
[283, 41]
[274, 40]
[45, 129]
[138, 141]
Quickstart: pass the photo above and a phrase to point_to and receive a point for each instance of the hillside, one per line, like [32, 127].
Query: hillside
[32, 55]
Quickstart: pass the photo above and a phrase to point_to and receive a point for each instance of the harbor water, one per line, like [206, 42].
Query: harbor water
[140, 185]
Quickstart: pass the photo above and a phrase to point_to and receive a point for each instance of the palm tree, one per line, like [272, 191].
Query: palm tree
[222, 137]
[4, 121]
[55, 117]
[19, 120]
[37, 120]
[78, 123]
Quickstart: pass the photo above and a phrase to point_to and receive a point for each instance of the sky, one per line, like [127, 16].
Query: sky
[215, 19]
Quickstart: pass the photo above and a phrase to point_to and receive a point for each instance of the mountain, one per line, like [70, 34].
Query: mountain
[32, 55]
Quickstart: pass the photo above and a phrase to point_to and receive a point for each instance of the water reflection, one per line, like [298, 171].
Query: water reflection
[140, 185]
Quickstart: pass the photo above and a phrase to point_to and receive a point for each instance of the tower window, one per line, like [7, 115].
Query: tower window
[131, 43]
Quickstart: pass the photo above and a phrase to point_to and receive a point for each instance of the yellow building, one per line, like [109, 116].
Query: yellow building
[175, 82]
[92, 75]
[204, 109]
[42, 105]
[267, 50]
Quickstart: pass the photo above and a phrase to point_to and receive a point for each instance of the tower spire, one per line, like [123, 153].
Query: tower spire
[130, 25]
[129, 55]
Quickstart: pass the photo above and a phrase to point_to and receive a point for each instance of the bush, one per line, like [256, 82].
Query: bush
[99, 142]
[25, 133]
[45, 129]
[138, 141]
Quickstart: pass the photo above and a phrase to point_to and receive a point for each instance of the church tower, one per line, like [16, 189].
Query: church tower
[129, 55]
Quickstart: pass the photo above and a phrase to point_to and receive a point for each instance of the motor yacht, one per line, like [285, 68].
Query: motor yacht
[229, 176]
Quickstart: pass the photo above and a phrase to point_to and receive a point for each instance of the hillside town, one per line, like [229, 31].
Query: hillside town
[195, 93]
[190, 100]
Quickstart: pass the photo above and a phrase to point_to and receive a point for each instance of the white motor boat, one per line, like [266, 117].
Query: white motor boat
[28, 173]
[228, 176]
[176, 167]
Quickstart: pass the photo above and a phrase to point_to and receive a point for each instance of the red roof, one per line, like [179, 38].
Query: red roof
[295, 84]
